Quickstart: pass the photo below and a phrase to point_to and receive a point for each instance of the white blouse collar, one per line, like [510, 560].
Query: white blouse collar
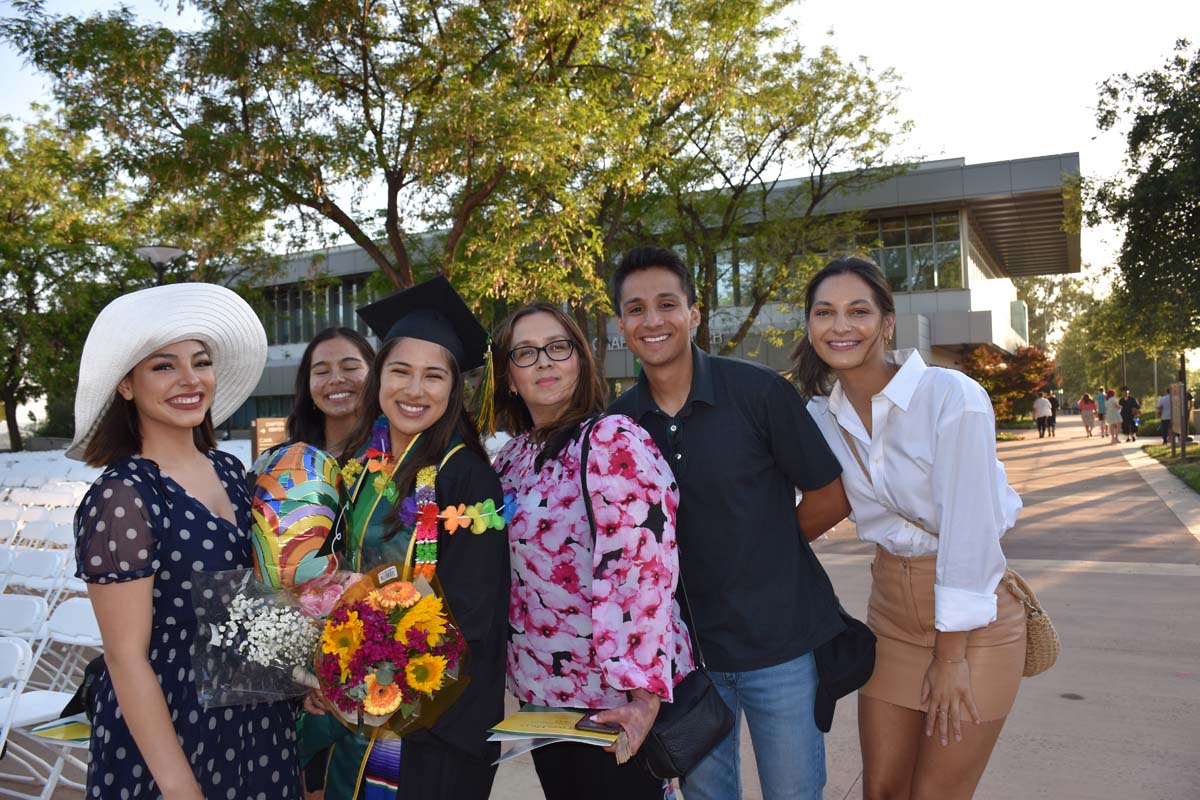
[899, 389]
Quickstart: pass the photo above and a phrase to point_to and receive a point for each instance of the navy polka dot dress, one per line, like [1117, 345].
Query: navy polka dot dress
[134, 523]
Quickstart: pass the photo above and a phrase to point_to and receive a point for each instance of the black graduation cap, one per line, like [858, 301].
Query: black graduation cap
[434, 312]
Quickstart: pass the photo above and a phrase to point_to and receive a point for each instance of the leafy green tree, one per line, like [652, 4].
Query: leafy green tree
[1155, 200]
[68, 230]
[1053, 301]
[380, 120]
[751, 235]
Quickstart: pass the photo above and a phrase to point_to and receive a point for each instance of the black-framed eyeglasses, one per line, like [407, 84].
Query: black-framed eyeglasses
[527, 356]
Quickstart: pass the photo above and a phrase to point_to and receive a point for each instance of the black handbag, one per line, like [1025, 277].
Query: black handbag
[687, 729]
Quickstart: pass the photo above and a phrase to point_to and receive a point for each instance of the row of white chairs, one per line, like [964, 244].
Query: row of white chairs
[47, 573]
[52, 495]
[41, 533]
[29, 634]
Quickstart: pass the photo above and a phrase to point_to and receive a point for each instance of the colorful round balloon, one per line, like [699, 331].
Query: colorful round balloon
[296, 498]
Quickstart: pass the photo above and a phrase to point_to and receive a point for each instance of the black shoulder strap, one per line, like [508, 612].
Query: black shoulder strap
[584, 450]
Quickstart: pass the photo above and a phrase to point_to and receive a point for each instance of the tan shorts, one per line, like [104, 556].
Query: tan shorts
[900, 612]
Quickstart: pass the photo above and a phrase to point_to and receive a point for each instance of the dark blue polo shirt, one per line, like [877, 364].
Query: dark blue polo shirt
[740, 447]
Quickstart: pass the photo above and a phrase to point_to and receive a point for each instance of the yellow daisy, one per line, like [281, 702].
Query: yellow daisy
[426, 616]
[425, 673]
[343, 640]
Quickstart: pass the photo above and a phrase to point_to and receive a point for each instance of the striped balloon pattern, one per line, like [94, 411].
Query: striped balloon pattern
[296, 498]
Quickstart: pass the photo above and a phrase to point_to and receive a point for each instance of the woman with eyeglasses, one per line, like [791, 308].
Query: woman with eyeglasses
[593, 620]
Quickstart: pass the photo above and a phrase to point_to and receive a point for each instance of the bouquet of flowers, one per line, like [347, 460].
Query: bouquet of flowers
[254, 642]
[390, 655]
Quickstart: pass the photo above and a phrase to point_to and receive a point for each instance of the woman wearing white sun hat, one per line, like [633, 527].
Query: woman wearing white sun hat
[160, 368]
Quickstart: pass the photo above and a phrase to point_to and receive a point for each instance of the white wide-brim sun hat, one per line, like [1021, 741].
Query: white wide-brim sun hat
[136, 325]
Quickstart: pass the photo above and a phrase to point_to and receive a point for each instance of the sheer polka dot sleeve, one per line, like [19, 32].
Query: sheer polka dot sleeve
[114, 534]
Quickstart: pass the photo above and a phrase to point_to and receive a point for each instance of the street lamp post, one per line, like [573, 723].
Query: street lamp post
[159, 258]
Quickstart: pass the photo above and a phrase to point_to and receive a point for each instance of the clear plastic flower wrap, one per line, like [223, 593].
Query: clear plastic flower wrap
[254, 642]
[391, 656]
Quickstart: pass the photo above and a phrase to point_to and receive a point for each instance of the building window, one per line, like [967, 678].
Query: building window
[920, 252]
[295, 313]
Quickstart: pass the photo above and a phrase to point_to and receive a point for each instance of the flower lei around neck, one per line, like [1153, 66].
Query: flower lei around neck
[419, 510]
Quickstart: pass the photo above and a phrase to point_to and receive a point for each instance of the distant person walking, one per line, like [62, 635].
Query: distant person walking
[1114, 417]
[1087, 412]
[1164, 415]
[1053, 424]
[1101, 403]
[1041, 414]
[1130, 408]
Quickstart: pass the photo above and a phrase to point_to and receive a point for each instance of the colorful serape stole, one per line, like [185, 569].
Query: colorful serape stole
[381, 780]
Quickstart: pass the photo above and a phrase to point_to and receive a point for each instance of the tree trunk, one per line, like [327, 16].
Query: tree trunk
[10, 418]
[602, 346]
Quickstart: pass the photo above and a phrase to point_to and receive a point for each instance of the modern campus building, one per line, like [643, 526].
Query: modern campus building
[952, 237]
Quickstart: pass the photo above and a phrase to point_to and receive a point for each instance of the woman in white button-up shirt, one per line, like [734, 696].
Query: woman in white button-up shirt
[917, 446]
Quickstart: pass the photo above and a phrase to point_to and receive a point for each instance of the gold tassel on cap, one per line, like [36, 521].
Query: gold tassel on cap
[485, 413]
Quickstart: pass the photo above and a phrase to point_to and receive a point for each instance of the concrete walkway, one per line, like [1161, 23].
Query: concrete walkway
[1119, 716]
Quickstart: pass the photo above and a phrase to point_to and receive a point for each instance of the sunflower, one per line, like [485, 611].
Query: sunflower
[400, 593]
[382, 698]
[425, 673]
[426, 616]
[343, 640]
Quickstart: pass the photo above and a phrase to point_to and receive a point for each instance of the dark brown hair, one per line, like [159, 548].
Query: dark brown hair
[808, 370]
[651, 257]
[117, 435]
[434, 441]
[306, 423]
[512, 415]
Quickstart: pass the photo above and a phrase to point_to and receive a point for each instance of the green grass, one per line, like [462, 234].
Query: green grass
[1024, 423]
[1189, 473]
[1008, 437]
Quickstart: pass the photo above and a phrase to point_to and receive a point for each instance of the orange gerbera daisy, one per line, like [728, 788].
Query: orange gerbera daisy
[382, 698]
[399, 593]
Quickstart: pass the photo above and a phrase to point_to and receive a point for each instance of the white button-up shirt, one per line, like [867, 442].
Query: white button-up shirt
[932, 458]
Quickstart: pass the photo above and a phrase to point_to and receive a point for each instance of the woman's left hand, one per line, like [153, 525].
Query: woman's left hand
[947, 690]
[636, 717]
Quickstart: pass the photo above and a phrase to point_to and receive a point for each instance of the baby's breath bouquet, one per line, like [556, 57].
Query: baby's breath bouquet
[254, 642]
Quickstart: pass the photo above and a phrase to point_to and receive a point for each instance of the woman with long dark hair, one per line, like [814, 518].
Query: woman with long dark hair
[415, 437]
[917, 446]
[329, 389]
[593, 619]
[160, 367]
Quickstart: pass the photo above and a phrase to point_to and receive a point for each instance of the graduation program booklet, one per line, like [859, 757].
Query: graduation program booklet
[529, 730]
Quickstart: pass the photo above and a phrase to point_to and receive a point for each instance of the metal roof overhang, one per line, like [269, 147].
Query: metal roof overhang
[1023, 231]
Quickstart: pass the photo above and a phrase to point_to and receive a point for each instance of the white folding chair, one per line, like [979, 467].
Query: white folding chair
[16, 659]
[6, 557]
[10, 511]
[46, 534]
[62, 516]
[52, 497]
[71, 625]
[42, 571]
[34, 513]
[8, 531]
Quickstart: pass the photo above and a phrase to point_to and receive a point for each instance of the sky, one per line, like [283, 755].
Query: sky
[985, 81]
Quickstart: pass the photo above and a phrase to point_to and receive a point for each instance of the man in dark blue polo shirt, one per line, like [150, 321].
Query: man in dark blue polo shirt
[740, 441]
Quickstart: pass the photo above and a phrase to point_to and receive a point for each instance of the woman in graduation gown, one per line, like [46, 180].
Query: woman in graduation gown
[416, 436]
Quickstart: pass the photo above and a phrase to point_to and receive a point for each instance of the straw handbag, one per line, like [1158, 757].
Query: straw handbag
[1042, 644]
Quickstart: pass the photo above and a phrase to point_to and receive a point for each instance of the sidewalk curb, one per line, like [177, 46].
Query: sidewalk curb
[1179, 497]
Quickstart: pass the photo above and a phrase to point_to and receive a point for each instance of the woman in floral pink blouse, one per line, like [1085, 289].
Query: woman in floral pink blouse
[593, 624]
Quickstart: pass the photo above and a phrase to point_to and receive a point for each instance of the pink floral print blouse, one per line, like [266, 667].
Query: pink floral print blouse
[592, 620]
